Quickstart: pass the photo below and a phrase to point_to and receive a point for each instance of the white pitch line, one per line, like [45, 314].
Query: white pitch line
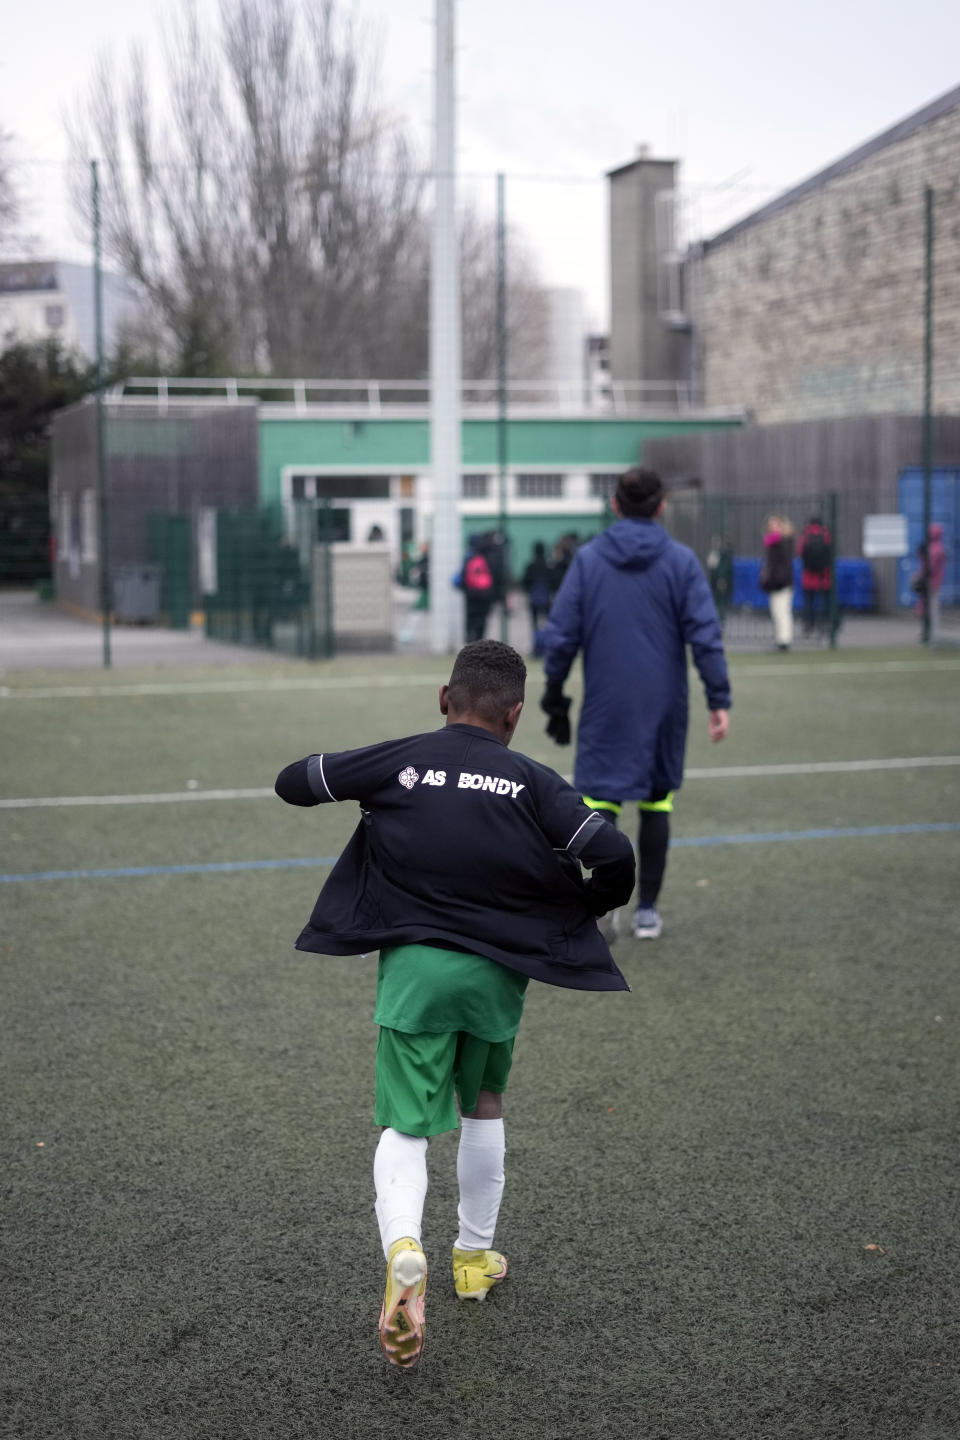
[819, 767]
[719, 772]
[846, 667]
[385, 682]
[170, 797]
[218, 687]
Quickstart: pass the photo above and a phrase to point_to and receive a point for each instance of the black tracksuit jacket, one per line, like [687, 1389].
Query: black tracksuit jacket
[466, 843]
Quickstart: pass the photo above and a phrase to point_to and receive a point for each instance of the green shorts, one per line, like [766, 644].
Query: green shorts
[416, 1077]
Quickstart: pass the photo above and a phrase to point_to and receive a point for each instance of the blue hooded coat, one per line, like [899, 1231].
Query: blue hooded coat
[632, 600]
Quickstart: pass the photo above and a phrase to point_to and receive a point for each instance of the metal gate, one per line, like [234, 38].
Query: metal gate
[258, 579]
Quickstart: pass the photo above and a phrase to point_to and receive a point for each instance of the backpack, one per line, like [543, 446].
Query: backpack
[816, 553]
[476, 575]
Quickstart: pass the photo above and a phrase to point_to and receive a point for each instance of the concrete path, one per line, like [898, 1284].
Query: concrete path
[751, 633]
[35, 635]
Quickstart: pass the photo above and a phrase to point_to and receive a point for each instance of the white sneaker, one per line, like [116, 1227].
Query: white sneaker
[647, 924]
[609, 925]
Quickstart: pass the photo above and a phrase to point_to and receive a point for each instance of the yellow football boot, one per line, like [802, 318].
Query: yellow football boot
[401, 1319]
[477, 1271]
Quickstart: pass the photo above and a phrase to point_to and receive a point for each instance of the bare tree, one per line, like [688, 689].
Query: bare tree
[9, 200]
[526, 303]
[272, 215]
[404, 345]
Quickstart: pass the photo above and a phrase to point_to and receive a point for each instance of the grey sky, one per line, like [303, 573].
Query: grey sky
[757, 94]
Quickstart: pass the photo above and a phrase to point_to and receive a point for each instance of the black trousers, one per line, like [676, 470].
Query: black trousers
[816, 609]
[478, 608]
[653, 842]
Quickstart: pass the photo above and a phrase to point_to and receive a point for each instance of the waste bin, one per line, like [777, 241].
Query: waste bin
[136, 594]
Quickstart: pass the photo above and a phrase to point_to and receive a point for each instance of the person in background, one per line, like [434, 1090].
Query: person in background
[934, 572]
[563, 553]
[720, 574]
[815, 548]
[776, 577]
[496, 548]
[538, 582]
[422, 572]
[477, 583]
[632, 601]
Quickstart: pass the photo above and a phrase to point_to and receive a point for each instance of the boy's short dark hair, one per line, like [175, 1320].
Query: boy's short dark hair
[488, 677]
[639, 493]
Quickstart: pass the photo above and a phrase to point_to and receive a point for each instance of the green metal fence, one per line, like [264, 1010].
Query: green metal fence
[24, 538]
[262, 586]
[169, 548]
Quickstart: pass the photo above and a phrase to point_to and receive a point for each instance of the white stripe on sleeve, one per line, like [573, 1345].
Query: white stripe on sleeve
[592, 816]
[324, 779]
[315, 766]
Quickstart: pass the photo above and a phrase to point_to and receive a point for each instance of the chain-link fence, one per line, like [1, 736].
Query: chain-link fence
[734, 537]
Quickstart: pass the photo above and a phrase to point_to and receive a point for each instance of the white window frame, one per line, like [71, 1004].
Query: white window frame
[468, 482]
[64, 523]
[88, 527]
[669, 264]
[610, 480]
[525, 485]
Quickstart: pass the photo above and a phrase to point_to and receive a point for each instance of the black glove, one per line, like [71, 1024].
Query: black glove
[556, 706]
[598, 898]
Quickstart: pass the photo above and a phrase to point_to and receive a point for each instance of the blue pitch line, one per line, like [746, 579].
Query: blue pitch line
[765, 837]
[694, 842]
[134, 871]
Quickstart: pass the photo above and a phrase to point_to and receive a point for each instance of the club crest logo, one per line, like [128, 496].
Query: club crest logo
[408, 778]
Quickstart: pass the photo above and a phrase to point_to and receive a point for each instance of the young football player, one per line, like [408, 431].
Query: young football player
[465, 873]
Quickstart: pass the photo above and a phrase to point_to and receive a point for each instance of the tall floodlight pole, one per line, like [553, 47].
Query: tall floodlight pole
[502, 387]
[103, 526]
[446, 619]
[927, 386]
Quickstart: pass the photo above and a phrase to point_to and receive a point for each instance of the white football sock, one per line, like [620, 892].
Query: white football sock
[480, 1173]
[400, 1177]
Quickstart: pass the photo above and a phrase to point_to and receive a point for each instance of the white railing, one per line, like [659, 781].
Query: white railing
[372, 397]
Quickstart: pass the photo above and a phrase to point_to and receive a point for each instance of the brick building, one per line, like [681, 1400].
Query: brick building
[813, 306]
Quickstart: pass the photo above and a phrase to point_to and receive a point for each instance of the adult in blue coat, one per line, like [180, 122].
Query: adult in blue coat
[632, 600]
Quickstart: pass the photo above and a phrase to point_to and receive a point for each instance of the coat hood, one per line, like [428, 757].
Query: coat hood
[935, 531]
[632, 544]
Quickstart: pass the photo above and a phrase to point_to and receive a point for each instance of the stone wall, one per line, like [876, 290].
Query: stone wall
[817, 309]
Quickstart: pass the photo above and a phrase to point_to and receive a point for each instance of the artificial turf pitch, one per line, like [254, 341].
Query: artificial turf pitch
[732, 1195]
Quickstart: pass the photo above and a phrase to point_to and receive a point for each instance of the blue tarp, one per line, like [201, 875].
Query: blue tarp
[855, 589]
